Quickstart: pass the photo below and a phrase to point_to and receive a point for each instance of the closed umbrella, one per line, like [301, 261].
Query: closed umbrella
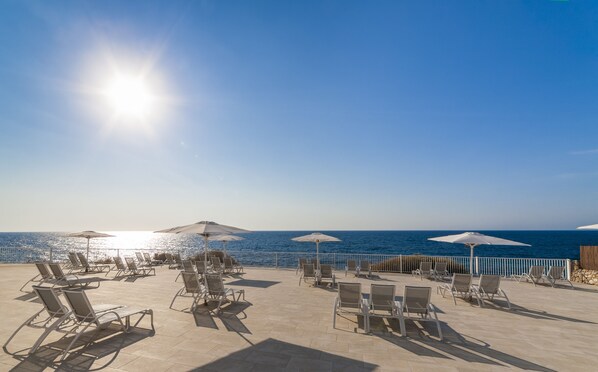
[472, 240]
[225, 239]
[206, 229]
[88, 235]
[316, 238]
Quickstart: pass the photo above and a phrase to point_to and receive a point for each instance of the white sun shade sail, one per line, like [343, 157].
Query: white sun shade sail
[588, 227]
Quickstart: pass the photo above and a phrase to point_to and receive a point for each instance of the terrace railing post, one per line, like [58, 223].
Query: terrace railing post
[477, 265]
[568, 269]
[401, 263]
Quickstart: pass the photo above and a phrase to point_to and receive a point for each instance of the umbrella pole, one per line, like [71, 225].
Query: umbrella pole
[87, 255]
[471, 247]
[317, 255]
[205, 249]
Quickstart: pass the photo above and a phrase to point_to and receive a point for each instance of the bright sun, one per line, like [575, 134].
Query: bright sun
[129, 96]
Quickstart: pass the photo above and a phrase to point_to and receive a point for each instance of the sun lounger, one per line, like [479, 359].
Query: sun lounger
[85, 316]
[178, 261]
[191, 286]
[140, 260]
[326, 274]
[381, 303]
[365, 267]
[425, 269]
[349, 300]
[170, 261]
[416, 306]
[135, 270]
[302, 261]
[54, 316]
[71, 280]
[121, 268]
[188, 267]
[440, 272]
[352, 267]
[44, 275]
[459, 286]
[74, 263]
[92, 267]
[150, 261]
[309, 273]
[489, 288]
[216, 264]
[216, 291]
[230, 266]
[556, 274]
[201, 268]
[535, 275]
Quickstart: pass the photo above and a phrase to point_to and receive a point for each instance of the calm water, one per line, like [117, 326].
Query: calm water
[16, 247]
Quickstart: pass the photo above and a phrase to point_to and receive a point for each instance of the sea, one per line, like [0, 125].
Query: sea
[32, 246]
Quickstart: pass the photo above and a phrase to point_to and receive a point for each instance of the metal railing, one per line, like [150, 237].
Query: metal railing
[504, 266]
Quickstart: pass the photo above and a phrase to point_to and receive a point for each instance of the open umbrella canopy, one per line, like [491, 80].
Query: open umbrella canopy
[88, 234]
[205, 229]
[588, 227]
[473, 239]
[225, 239]
[316, 238]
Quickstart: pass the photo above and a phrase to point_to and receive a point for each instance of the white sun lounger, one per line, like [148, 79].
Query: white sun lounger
[489, 288]
[44, 275]
[417, 307]
[351, 267]
[217, 292]
[381, 303]
[459, 286]
[309, 273]
[425, 269]
[71, 280]
[556, 274]
[349, 300]
[193, 287]
[534, 275]
[142, 271]
[93, 267]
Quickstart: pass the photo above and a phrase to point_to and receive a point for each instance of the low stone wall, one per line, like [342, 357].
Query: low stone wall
[585, 276]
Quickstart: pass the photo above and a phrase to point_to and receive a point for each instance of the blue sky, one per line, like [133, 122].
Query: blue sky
[300, 115]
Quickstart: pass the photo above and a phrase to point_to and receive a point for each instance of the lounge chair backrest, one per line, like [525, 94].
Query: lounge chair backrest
[489, 283]
[201, 267]
[214, 284]
[56, 270]
[349, 294]
[80, 305]
[177, 258]
[364, 265]
[382, 296]
[147, 257]
[309, 271]
[326, 271]
[119, 263]
[440, 267]
[351, 264]
[302, 261]
[130, 263]
[536, 271]
[139, 256]
[461, 282]
[188, 266]
[191, 282]
[228, 263]
[216, 262]
[425, 267]
[556, 272]
[416, 299]
[169, 257]
[74, 260]
[83, 259]
[314, 261]
[51, 302]
[43, 270]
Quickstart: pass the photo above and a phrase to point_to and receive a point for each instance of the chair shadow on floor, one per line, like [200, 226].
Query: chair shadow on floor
[252, 283]
[422, 340]
[231, 316]
[94, 345]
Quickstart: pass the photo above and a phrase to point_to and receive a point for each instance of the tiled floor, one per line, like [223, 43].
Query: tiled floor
[284, 326]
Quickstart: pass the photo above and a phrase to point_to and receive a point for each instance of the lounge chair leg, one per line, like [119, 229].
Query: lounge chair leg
[334, 314]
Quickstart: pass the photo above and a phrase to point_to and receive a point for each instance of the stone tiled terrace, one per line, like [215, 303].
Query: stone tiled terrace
[285, 326]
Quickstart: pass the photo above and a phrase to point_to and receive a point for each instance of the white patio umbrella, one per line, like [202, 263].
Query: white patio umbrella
[225, 239]
[472, 240]
[316, 238]
[88, 235]
[588, 227]
[206, 229]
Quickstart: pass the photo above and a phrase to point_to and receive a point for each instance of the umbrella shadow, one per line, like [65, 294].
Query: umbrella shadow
[540, 314]
[253, 283]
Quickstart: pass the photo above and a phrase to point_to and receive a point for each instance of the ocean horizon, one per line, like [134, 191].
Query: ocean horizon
[27, 246]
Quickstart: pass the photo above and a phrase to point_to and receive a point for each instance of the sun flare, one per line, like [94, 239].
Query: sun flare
[129, 96]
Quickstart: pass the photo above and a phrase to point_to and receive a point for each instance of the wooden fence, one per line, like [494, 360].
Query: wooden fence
[588, 257]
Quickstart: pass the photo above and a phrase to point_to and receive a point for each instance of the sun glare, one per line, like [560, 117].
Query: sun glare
[129, 97]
